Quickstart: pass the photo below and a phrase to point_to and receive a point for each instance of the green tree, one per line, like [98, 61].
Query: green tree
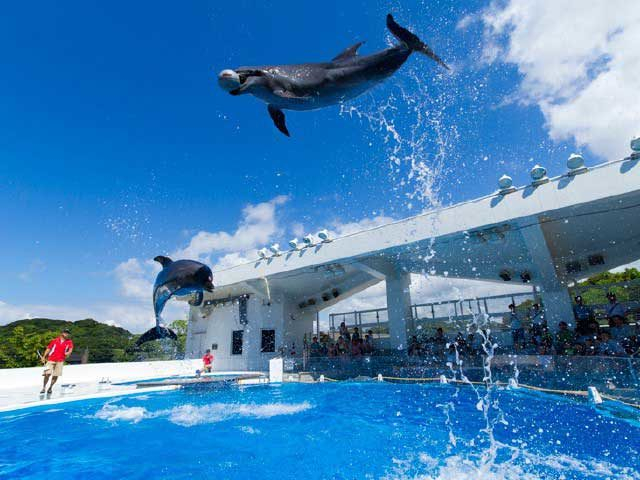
[21, 349]
[180, 327]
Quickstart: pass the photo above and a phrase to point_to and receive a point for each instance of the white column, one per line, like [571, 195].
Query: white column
[399, 308]
[554, 292]
[557, 308]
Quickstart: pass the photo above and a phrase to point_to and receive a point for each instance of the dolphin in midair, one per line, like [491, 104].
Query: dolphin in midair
[309, 86]
[182, 277]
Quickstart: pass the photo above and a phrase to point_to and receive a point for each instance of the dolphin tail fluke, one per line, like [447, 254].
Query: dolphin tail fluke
[412, 41]
[156, 333]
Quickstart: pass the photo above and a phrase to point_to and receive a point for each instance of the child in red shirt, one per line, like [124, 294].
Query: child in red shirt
[207, 360]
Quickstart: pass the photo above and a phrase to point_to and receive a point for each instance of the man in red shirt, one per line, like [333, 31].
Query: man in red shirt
[54, 356]
[207, 360]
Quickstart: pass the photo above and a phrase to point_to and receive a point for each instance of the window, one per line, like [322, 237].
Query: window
[242, 307]
[268, 341]
[236, 342]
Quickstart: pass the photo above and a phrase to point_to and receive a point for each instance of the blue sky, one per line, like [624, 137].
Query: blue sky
[117, 144]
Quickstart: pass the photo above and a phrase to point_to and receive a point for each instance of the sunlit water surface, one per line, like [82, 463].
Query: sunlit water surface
[331, 431]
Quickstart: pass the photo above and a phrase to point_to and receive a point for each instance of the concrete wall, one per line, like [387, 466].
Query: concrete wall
[13, 378]
[277, 313]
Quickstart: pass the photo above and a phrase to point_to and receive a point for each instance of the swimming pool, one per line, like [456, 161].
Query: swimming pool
[326, 430]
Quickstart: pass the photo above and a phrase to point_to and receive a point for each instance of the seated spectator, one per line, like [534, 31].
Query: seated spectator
[517, 332]
[323, 348]
[451, 356]
[620, 331]
[333, 350]
[608, 346]
[538, 320]
[368, 344]
[355, 334]
[440, 338]
[590, 347]
[578, 349]
[592, 331]
[474, 344]
[564, 339]
[414, 347]
[342, 347]
[355, 348]
[583, 315]
[344, 332]
[545, 342]
[614, 309]
[315, 349]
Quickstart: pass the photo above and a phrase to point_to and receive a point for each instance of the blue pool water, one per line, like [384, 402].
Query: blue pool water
[322, 431]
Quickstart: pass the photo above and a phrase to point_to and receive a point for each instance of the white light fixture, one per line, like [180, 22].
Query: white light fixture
[505, 182]
[539, 175]
[263, 252]
[294, 244]
[275, 249]
[575, 164]
[324, 236]
[308, 240]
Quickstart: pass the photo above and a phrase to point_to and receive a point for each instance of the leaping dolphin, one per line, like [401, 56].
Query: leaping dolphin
[181, 277]
[309, 86]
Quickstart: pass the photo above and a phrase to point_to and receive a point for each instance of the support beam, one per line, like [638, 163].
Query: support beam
[399, 308]
[554, 293]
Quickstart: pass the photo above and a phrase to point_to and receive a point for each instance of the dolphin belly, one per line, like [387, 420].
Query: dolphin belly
[163, 293]
[331, 94]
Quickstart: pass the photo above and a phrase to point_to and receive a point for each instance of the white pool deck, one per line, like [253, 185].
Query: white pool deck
[20, 387]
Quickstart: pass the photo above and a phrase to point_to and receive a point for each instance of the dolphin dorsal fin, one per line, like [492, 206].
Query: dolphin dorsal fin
[352, 51]
[164, 261]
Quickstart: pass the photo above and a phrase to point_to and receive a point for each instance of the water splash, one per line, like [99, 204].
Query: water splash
[411, 126]
[188, 415]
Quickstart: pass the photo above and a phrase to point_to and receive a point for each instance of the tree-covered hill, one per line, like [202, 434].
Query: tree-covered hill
[20, 341]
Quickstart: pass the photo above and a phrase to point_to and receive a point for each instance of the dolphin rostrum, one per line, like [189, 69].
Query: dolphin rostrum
[182, 277]
[309, 86]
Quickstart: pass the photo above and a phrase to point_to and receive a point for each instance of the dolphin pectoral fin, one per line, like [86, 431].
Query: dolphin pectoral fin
[197, 299]
[352, 51]
[412, 41]
[278, 118]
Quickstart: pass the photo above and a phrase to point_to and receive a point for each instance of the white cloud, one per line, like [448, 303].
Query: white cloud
[339, 229]
[257, 227]
[134, 316]
[579, 63]
[135, 278]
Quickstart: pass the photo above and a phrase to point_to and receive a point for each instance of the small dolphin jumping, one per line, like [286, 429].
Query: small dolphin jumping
[309, 86]
[181, 277]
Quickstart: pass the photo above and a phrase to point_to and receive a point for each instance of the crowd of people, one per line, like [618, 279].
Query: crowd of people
[588, 337]
[349, 344]
[441, 346]
[583, 335]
